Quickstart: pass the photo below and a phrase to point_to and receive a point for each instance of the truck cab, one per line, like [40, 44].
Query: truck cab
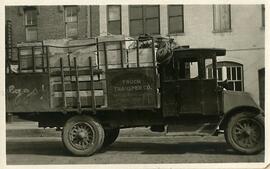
[190, 93]
[186, 86]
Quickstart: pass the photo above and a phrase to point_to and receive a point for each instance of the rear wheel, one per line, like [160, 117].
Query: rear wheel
[110, 136]
[245, 133]
[82, 135]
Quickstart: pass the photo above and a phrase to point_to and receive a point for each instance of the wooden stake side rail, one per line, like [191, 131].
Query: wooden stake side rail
[92, 86]
[63, 83]
[77, 86]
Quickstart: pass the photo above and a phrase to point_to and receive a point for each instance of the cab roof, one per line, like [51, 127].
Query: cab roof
[198, 52]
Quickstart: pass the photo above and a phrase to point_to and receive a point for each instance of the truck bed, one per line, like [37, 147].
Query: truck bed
[87, 84]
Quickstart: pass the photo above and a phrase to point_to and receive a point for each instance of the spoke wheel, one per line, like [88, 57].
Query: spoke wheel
[245, 133]
[82, 135]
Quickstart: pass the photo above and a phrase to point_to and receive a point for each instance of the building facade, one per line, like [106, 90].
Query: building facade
[231, 27]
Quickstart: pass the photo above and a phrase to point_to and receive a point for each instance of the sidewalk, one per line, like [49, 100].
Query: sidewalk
[31, 129]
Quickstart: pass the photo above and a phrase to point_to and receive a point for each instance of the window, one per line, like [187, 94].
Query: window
[209, 68]
[187, 69]
[222, 18]
[230, 71]
[263, 16]
[114, 19]
[194, 70]
[30, 17]
[175, 19]
[234, 76]
[71, 21]
[144, 19]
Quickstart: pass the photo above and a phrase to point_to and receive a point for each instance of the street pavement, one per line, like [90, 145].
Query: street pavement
[26, 144]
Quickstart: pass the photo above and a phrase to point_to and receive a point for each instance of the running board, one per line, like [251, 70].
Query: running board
[187, 134]
[202, 129]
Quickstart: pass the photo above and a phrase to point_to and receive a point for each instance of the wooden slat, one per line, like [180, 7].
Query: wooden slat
[85, 85]
[72, 101]
[73, 72]
[81, 78]
[81, 93]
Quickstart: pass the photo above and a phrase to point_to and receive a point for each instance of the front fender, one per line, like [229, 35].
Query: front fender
[234, 100]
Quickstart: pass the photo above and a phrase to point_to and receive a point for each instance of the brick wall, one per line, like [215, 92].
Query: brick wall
[50, 23]
[82, 22]
[94, 16]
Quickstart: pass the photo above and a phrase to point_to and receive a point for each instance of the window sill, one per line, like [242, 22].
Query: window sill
[222, 31]
[150, 35]
[176, 34]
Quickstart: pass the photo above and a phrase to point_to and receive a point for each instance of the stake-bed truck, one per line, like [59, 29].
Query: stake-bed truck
[91, 99]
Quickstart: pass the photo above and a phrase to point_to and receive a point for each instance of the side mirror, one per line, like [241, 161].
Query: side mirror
[224, 84]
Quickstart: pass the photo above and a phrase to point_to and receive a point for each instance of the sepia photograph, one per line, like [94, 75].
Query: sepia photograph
[159, 83]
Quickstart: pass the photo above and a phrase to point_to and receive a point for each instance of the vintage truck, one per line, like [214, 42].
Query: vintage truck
[91, 98]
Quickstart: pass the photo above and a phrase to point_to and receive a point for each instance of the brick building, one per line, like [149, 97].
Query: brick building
[221, 26]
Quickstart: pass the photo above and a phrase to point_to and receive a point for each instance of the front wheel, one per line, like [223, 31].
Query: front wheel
[82, 135]
[245, 133]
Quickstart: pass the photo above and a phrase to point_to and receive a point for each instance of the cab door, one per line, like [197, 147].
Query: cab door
[188, 91]
[181, 88]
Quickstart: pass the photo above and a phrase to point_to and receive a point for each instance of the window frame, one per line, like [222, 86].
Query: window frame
[183, 19]
[67, 22]
[263, 16]
[236, 76]
[144, 18]
[26, 25]
[108, 21]
[220, 30]
[230, 65]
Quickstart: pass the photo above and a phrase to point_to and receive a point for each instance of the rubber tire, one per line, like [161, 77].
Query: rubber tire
[98, 135]
[110, 136]
[228, 134]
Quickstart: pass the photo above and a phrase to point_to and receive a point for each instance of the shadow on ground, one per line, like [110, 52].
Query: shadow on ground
[56, 148]
[179, 148]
